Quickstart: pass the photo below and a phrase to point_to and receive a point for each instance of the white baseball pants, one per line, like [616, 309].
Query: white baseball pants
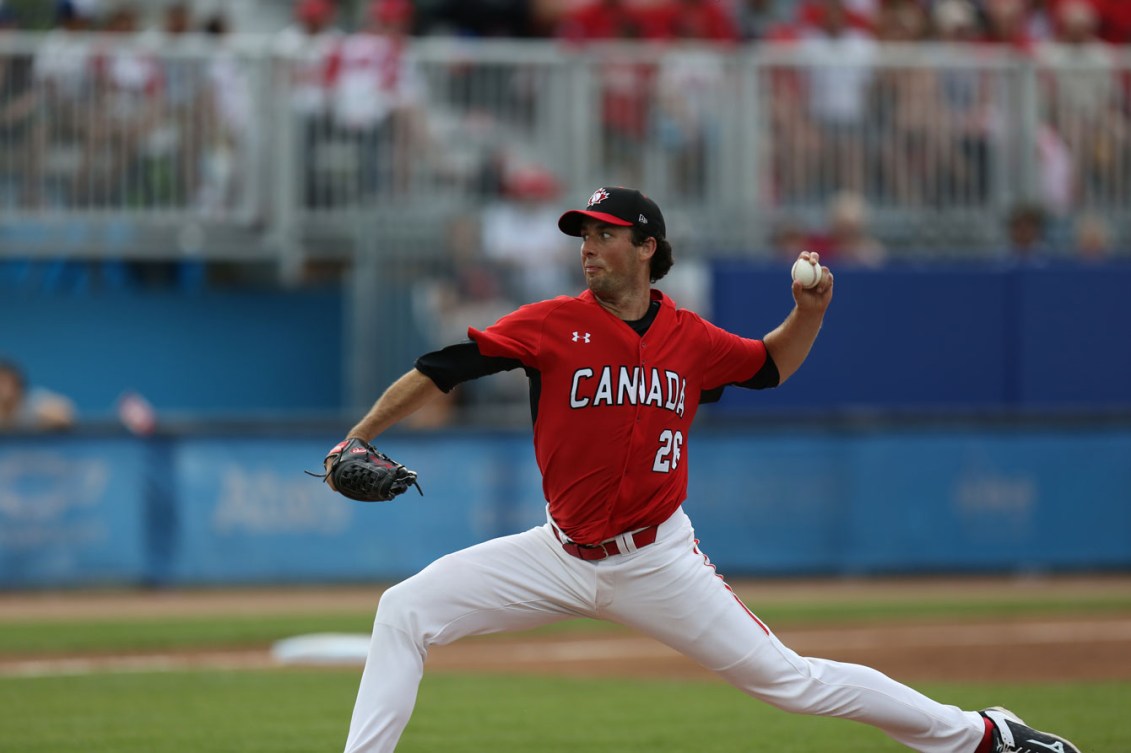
[668, 590]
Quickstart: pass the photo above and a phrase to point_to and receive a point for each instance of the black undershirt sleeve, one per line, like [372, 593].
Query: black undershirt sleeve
[766, 377]
[461, 362]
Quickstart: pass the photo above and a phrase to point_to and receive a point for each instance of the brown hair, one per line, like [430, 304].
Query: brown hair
[662, 260]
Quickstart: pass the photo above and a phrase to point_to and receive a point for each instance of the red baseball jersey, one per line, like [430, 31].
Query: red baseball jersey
[614, 408]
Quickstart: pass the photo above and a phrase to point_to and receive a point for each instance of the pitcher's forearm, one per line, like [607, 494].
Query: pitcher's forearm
[403, 398]
[790, 342]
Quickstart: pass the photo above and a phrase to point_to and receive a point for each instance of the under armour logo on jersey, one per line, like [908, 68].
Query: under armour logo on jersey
[598, 196]
[582, 337]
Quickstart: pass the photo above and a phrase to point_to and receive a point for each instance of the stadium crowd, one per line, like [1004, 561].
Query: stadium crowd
[159, 125]
[1021, 23]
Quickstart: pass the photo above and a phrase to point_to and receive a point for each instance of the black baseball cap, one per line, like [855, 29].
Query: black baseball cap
[625, 207]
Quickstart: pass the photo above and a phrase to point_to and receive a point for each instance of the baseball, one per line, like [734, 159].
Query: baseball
[807, 273]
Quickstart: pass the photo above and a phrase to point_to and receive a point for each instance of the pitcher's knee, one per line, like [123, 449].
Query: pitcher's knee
[400, 607]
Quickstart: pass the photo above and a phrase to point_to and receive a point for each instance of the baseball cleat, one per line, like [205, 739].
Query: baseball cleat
[1011, 735]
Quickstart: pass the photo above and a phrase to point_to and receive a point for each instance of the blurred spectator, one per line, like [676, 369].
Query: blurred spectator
[472, 293]
[762, 19]
[23, 407]
[184, 100]
[64, 75]
[847, 238]
[136, 413]
[1092, 238]
[1040, 24]
[1115, 21]
[788, 239]
[839, 89]
[910, 107]
[793, 149]
[377, 96]
[146, 137]
[1007, 23]
[625, 80]
[609, 19]
[698, 19]
[902, 22]
[1080, 97]
[690, 92]
[1056, 171]
[475, 18]
[858, 14]
[968, 104]
[956, 21]
[127, 113]
[1026, 227]
[230, 131]
[20, 156]
[520, 236]
[308, 45]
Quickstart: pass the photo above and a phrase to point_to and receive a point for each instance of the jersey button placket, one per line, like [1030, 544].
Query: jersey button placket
[643, 371]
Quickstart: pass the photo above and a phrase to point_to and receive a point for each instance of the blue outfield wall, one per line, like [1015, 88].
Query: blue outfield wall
[212, 353]
[830, 498]
[80, 511]
[1041, 337]
[1050, 337]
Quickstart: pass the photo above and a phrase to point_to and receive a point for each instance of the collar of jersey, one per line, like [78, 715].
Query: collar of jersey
[656, 295]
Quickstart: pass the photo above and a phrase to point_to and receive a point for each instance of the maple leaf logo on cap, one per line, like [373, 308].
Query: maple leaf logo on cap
[598, 196]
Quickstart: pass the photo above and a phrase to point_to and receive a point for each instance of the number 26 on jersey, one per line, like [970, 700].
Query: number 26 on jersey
[670, 451]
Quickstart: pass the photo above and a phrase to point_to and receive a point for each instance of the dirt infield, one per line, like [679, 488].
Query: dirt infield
[1045, 648]
[1030, 651]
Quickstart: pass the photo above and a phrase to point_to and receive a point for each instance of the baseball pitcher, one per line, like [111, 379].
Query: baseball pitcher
[616, 377]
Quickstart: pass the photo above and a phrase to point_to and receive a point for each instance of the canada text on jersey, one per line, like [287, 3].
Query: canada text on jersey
[628, 386]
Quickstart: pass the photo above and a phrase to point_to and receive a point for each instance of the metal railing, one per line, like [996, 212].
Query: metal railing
[428, 177]
[261, 138]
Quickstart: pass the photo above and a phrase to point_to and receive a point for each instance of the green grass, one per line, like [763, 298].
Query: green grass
[104, 635]
[308, 710]
[176, 712]
[148, 634]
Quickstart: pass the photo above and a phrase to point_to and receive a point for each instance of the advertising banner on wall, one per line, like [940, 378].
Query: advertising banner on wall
[913, 501]
[71, 512]
[250, 514]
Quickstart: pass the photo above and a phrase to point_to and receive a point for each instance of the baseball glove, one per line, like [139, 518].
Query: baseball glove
[357, 470]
